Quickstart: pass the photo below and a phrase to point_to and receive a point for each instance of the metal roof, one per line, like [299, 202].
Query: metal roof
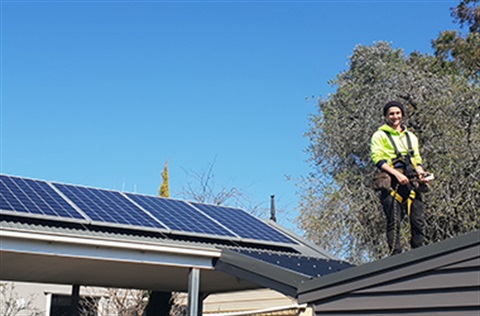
[36, 250]
[393, 263]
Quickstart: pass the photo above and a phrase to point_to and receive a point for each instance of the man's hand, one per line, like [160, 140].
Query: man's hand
[401, 178]
[424, 176]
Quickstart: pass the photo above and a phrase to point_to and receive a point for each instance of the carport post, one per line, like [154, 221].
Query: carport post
[193, 291]
[75, 298]
[200, 303]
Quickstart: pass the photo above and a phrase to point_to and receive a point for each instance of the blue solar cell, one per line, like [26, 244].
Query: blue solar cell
[179, 215]
[108, 206]
[309, 266]
[243, 224]
[34, 197]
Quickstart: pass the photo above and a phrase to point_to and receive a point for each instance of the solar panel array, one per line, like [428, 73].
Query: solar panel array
[64, 202]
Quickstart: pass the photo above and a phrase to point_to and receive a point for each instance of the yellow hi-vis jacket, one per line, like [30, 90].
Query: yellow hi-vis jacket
[382, 150]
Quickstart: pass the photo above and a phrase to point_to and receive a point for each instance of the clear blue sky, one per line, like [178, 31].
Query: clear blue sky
[102, 93]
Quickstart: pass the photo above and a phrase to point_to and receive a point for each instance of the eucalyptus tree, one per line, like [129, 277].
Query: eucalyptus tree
[461, 50]
[339, 209]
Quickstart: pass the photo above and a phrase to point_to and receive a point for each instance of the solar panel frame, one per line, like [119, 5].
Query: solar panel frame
[93, 203]
[236, 223]
[36, 198]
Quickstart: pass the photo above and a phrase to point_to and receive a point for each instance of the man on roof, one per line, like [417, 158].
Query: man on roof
[395, 151]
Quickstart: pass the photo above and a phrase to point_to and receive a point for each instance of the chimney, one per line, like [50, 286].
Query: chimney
[273, 216]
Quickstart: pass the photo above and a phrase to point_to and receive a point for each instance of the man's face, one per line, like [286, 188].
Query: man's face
[394, 116]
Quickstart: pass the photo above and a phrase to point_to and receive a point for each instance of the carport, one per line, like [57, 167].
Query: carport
[62, 255]
[38, 249]
[49, 257]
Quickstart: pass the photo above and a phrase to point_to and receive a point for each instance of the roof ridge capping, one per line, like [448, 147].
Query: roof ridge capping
[426, 258]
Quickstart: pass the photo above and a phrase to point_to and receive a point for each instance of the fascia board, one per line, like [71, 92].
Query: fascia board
[67, 246]
[259, 272]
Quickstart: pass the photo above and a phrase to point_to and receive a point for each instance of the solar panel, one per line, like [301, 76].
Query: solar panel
[310, 266]
[108, 207]
[243, 224]
[26, 197]
[32, 197]
[179, 216]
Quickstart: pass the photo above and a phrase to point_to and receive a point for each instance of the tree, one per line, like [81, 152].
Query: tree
[202, 187]
[458, 51]
[113, 301]
[468, 13]
[164, 190]
[12, 304]
[338, 207]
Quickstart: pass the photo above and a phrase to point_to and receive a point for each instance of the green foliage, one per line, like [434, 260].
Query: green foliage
[164, 190]
[339, 209]
[462, 52]
[465, 52]
[468, 13]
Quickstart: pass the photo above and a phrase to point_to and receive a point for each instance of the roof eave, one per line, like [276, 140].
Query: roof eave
[259, 272]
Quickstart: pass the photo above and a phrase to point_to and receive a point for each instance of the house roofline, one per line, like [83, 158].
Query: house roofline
[425, 258]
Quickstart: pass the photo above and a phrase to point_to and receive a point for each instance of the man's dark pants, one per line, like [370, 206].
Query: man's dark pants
[395, 211]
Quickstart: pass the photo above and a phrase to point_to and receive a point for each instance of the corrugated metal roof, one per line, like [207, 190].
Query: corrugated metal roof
[89, 231]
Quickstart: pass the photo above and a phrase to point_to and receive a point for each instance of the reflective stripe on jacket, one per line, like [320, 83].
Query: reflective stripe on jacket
[382, 151]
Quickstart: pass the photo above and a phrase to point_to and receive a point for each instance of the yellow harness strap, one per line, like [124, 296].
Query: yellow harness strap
[397, 196]
[410, 199]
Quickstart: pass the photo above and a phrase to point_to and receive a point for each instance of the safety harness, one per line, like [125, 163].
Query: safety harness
[409, 171]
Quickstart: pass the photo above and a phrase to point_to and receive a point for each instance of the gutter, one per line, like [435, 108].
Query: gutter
[109, 243]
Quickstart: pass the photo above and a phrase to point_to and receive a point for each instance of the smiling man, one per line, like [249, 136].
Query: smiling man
[395, 151]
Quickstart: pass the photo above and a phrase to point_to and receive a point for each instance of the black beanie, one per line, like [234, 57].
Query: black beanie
[391, 104]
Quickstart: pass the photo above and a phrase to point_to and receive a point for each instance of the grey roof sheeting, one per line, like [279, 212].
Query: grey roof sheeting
[438, 279]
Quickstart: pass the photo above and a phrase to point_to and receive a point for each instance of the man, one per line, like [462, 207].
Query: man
[394, 150]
